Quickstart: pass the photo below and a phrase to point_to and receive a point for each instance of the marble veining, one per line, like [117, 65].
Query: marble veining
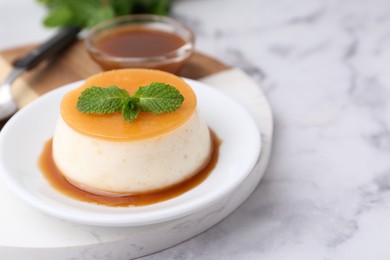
[325, 69]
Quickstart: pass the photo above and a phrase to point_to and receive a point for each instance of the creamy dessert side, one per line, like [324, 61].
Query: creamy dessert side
[107, 155]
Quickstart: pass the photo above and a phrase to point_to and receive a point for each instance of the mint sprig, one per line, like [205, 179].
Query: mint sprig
[156, 98]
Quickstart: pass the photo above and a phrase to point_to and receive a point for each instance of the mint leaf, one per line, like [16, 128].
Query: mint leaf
[158, 98]
[84, 13]
[102, 100]
[100, 14]
[130, 109]
[58, 16]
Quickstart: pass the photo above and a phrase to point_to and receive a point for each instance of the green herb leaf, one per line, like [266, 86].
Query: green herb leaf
[158, 98]
[102, 13]
[102, 100]
[86, 13]
[130, 110]
[58, 16]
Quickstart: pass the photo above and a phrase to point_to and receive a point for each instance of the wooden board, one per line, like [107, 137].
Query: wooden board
[75, 64]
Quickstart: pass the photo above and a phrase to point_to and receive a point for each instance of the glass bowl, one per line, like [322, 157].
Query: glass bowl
[140, 41]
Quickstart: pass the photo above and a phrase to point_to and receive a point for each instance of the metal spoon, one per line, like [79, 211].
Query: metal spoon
[58, 42]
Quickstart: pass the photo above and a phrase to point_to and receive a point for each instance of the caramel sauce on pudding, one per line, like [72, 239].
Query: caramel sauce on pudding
[57, 180]
[112, 127]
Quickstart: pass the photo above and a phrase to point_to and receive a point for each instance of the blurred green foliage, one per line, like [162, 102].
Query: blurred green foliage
[86, 13]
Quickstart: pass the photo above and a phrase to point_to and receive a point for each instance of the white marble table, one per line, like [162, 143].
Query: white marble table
[325, 68]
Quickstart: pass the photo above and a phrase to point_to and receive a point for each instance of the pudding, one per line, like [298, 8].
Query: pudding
[106, 155]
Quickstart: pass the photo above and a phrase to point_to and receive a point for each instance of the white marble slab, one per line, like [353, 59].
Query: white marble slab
[325, 68]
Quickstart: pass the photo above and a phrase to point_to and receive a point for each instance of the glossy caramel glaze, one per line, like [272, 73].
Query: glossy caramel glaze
[112, 126]
[54, 176]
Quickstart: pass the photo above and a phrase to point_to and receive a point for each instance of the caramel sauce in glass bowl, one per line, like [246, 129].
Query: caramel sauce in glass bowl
[140, 41]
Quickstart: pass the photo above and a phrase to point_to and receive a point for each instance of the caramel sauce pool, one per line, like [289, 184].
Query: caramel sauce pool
[138, 42]
[54, 176]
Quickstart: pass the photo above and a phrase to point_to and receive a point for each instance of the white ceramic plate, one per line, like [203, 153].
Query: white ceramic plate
[23, 137]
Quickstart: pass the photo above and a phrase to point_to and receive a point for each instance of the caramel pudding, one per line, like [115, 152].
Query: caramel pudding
[106, 155]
